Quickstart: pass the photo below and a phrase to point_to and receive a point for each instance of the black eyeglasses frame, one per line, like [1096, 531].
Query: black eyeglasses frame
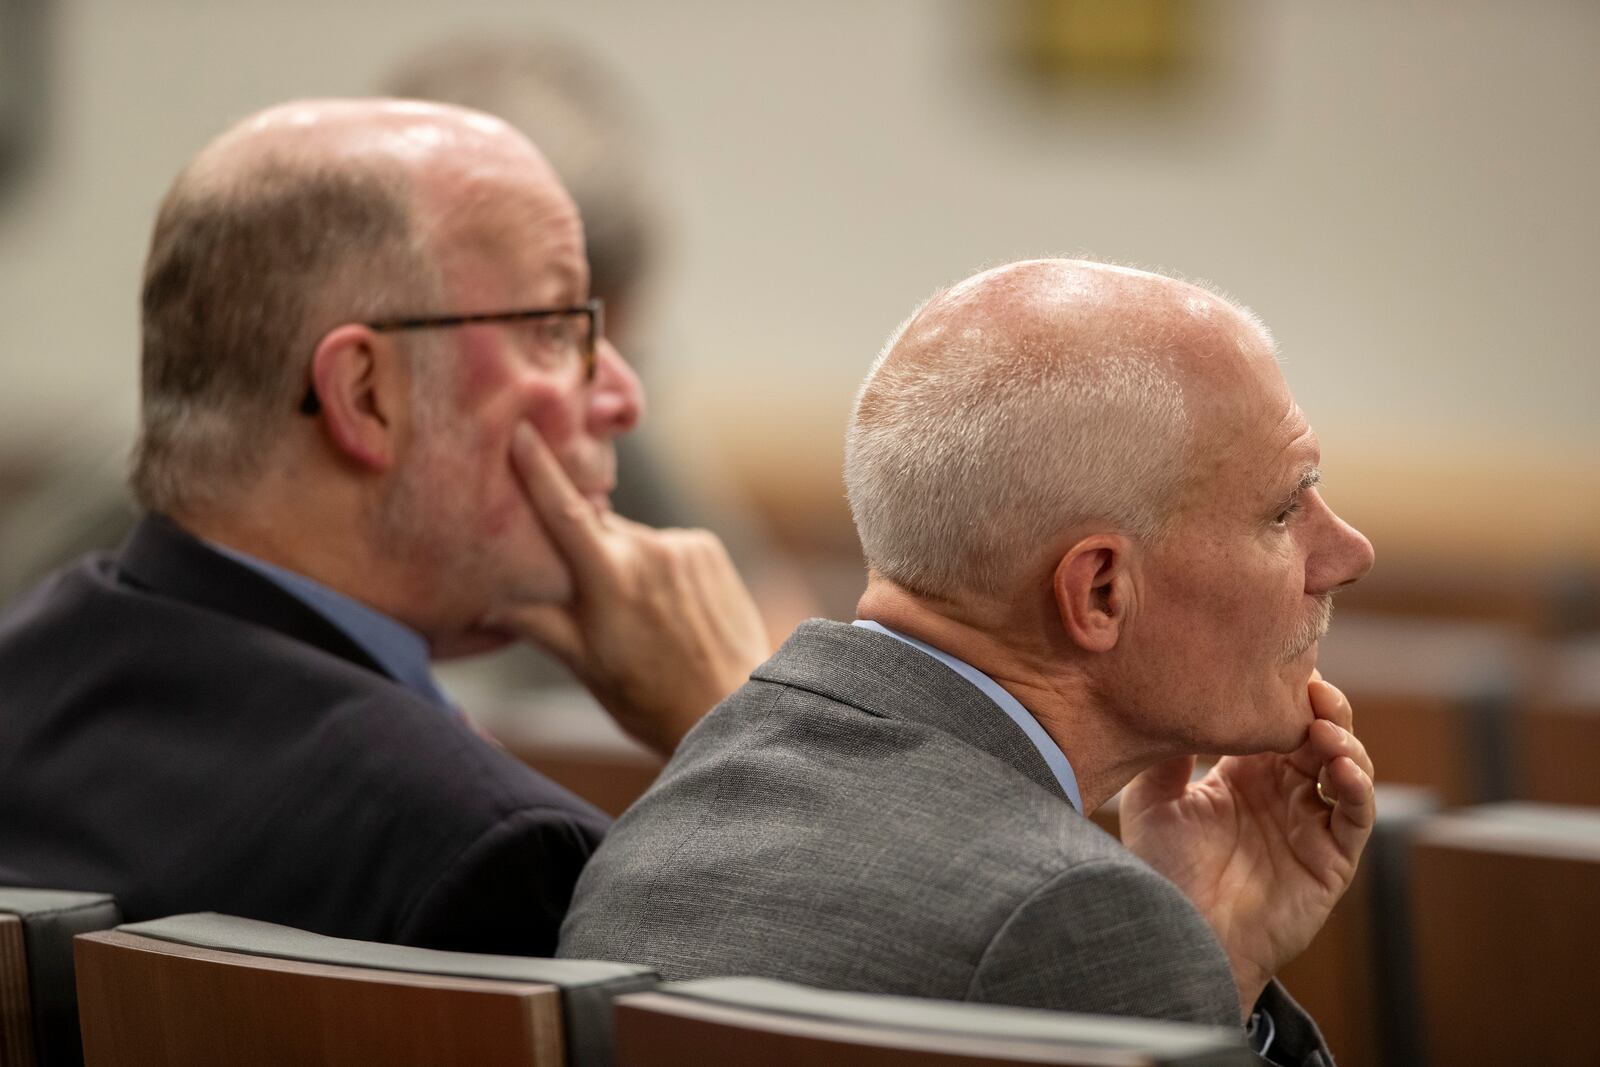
[593, 309]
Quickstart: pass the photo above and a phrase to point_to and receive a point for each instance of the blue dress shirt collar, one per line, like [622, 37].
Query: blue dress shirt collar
[395, 647]
[1054, 758]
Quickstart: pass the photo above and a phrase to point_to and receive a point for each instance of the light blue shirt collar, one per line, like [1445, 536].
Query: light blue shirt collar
[395, 647]
[1054, 758]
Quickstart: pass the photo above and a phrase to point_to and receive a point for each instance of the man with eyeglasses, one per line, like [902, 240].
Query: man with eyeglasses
[377, 418]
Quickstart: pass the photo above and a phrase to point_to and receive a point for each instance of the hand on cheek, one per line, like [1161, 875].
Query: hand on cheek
[659, 625]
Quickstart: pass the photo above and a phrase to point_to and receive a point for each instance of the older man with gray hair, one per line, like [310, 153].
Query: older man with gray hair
[1096, 548]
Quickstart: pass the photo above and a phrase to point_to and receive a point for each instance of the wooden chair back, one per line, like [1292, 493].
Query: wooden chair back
[16, 1003]
[204, 989]
[1504, 902]
[744, 1020]
[38, 994]
[1557, 742]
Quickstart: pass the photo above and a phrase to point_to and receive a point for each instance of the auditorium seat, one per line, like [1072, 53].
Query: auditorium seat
[758, 1021]
[1557, 741]
[1504, 902]
[38, 997]
[1433, 699]
[205, 989]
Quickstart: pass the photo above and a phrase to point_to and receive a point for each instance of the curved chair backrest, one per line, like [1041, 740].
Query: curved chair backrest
[38, 995]
[1503, 904]
[208, 988]
[751, 1020]
[1558, 735]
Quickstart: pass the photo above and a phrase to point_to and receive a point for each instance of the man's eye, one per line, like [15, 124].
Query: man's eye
[556, 332]
[1288, 512]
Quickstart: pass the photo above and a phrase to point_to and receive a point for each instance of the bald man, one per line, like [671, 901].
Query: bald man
[377, 426]
[1096, 547]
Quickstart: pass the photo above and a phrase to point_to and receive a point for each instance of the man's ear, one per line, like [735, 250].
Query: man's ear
[1094, 590]
[363, 386]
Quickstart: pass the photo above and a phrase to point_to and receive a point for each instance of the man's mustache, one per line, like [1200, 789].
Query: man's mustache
[1312, 630]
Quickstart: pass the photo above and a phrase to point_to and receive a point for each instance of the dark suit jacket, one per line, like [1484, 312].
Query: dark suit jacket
[860, 817]
[180, 732]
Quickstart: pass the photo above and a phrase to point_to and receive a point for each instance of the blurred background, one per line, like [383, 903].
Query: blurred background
[1405, 193]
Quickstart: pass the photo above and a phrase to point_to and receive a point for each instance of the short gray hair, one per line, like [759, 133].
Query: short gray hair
[962, 467]
[247, 269]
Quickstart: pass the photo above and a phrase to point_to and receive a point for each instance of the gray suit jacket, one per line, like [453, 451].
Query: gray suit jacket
[859, 817]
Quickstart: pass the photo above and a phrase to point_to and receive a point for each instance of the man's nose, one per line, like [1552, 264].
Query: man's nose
[616, 398]
[1345, 556]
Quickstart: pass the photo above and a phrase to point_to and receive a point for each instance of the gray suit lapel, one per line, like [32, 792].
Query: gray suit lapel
[888, 678]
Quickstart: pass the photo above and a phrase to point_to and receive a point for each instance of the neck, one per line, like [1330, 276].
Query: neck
[1032, 662]
[313, 530]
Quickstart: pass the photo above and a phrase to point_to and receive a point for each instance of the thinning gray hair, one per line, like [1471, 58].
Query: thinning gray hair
[247, 270]
[961, 468]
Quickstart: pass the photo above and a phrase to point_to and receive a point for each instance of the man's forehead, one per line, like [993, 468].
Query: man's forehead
[480, 188]
[1292, 453]
[1247, 421]
[1296, 426]
[515, 235]
[1305, 448]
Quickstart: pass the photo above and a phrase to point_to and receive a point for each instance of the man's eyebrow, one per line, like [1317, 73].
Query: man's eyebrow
[1310, 477]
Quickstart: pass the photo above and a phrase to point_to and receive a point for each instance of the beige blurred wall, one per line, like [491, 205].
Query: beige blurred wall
[1405, 192]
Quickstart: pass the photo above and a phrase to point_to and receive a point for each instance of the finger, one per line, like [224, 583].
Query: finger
[1324, 743]
[569, 518]
[1355, 807]
[1329, 702]
[1328, 742]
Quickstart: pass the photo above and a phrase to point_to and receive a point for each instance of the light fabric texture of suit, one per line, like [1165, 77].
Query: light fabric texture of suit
[859, 817]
